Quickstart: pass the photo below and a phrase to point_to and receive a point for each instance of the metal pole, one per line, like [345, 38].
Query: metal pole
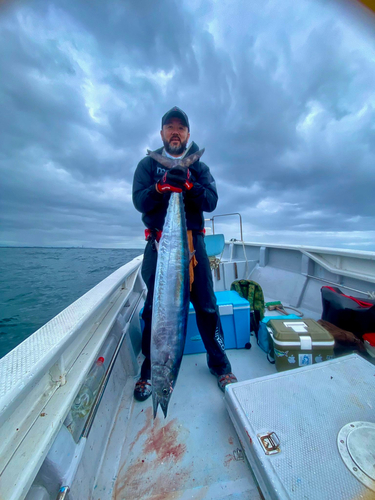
[337, 284]
[226, 215]
[64, 490]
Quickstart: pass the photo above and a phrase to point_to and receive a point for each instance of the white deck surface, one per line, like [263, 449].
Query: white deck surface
[191, 453]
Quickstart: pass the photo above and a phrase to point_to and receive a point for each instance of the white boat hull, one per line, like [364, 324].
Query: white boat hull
[41, 377]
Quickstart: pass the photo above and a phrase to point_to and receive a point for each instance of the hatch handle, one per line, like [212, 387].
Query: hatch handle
[270, 443]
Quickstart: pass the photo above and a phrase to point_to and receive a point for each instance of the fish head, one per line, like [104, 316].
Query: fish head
[163, 380]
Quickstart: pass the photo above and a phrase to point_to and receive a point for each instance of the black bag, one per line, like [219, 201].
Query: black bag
[349, 313]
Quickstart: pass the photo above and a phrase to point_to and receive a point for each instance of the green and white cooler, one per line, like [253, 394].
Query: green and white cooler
[298, 342]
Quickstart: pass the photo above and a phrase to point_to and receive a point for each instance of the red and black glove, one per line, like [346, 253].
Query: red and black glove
[175, 180]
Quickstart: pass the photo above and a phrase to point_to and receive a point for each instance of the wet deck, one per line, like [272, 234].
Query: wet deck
[192, 454]
[195, 452]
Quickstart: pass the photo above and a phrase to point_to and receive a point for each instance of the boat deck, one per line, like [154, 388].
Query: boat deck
[192, 454]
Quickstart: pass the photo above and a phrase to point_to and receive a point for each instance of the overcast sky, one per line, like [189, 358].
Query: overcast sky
[280, 93]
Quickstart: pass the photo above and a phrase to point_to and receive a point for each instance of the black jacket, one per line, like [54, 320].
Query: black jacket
[153, 205]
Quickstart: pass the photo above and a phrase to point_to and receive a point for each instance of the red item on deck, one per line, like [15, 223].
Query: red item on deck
[370, 337]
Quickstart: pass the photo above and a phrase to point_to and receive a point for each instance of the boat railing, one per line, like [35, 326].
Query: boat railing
[353, 270]
[212, 220]
[231, 247]
[40, 378]
[350, 269]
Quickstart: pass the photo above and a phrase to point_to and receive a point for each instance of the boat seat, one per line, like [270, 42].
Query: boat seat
[215, 244]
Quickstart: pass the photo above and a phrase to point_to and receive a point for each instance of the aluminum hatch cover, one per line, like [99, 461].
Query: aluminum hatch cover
[356, 444]
[302, 411]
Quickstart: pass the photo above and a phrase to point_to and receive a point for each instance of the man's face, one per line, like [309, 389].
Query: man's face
[175, 136]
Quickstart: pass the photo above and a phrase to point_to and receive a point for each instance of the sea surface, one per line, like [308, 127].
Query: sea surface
[38, 283]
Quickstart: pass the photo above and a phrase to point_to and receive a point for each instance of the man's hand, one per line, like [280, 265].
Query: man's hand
[175, 180]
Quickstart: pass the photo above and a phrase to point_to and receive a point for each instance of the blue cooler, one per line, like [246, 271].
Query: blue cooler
[235, 319]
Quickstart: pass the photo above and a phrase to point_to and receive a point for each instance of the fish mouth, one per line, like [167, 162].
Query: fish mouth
[162, 400]
[156, 401]
[162, 387]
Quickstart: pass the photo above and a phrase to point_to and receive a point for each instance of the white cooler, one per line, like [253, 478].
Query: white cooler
[309, 433]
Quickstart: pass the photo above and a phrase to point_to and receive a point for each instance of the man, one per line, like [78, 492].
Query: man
[152, 186]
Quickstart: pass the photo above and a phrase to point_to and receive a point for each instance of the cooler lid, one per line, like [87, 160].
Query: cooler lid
[231, 297]
[228, 298]
[290, 330]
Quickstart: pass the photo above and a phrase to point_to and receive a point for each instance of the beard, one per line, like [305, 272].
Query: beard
[175, 150]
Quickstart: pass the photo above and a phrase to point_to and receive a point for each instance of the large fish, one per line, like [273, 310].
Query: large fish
[171, 295]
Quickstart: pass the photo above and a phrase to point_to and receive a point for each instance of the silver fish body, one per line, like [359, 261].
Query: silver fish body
[171, 304]
[171, 296]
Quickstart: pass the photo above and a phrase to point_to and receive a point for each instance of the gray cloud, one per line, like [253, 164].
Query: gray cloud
[281, 98]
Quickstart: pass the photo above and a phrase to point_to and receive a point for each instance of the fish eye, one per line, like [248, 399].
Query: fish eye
[165, 391]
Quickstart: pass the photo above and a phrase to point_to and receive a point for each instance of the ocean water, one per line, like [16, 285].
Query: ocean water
[38, 283]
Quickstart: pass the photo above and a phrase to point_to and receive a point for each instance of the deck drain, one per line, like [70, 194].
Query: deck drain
[356, 443]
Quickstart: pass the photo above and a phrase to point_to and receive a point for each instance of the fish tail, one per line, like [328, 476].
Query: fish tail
[163, 160]
[189, 160]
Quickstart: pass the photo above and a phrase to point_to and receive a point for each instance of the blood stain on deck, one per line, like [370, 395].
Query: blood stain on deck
[156, 472]
[164, 442]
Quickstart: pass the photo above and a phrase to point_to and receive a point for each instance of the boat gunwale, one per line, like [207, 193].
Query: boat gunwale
[44, 398]
[79, 313]
[360, 254]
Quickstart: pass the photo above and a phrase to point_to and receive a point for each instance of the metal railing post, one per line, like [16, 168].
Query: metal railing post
[226, 215]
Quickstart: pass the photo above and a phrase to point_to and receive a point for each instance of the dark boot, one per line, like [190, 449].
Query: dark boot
[142, 390]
